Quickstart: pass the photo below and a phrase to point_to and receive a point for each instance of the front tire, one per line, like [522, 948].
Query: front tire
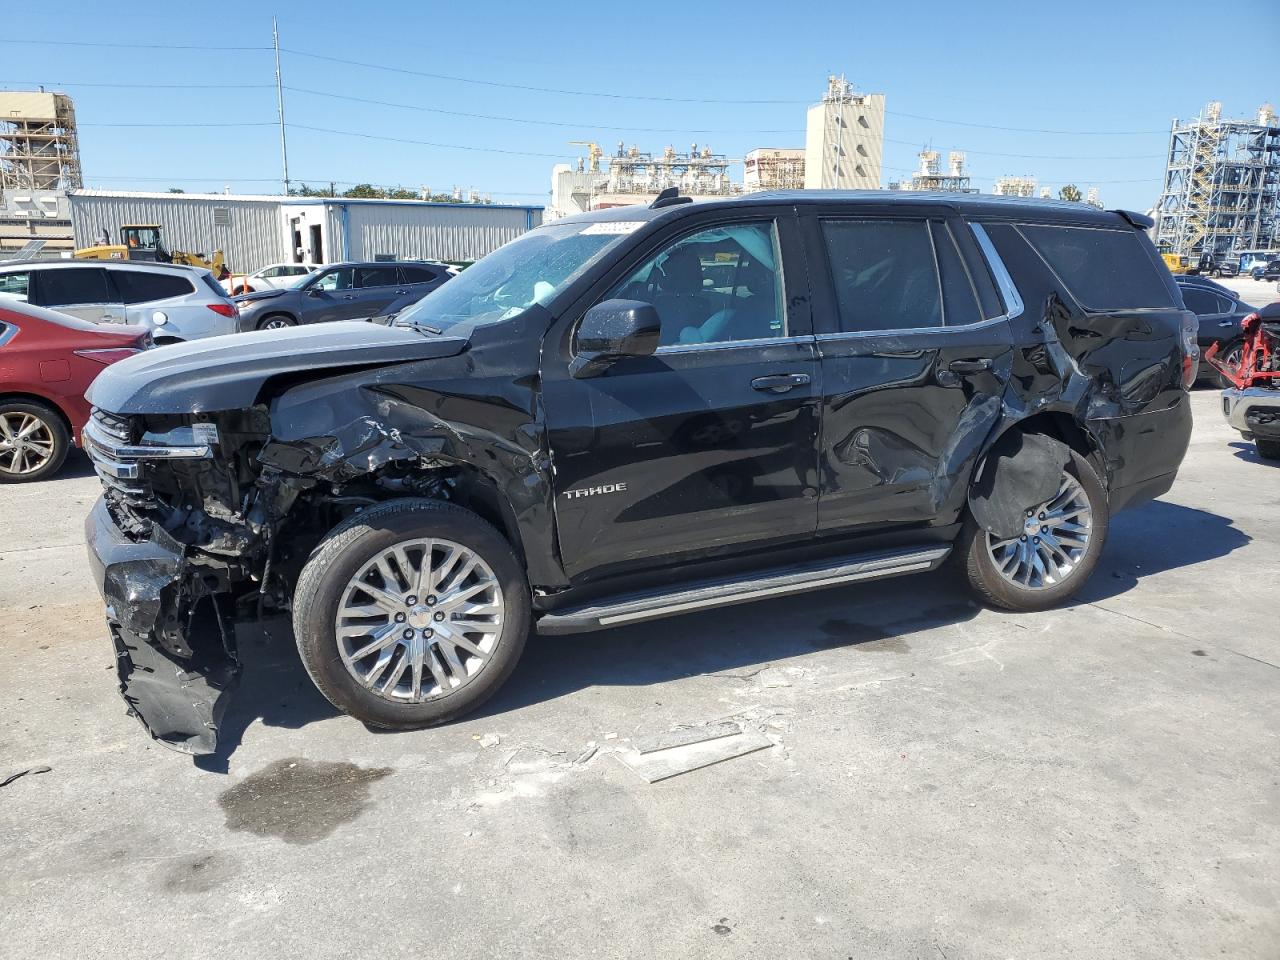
[1053, 559]
[411, 613]
[1230, 357]
[1267, 449]
[34, 441]
[276, 321]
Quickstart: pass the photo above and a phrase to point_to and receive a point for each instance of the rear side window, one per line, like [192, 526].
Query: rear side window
[884, 274]
[417, 275]
[375, 276]
[71, 286]
[136, 286]
[15, 284]
[960, 301]
[1202, 302]
[213, 285]
[1103, 269]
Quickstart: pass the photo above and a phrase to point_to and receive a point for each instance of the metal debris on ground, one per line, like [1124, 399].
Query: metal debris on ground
[686, 736]
[664, 763]
[489, 740]
[22, 773]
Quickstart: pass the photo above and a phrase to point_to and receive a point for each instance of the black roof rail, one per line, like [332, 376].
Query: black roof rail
[669, 198]
[1139, 221]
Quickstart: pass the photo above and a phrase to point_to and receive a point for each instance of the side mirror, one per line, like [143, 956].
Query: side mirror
[612, 330]
[315, 291]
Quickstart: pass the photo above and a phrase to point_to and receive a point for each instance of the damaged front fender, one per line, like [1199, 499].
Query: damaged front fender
[174, 659]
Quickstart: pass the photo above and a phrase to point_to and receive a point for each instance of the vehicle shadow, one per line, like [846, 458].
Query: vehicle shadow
[870, 619]
[274, 688]
[1247, 452]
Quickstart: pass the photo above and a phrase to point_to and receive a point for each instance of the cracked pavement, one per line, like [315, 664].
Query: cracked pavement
[944, 780]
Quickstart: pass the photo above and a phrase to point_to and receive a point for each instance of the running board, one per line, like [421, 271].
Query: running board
[722, 593]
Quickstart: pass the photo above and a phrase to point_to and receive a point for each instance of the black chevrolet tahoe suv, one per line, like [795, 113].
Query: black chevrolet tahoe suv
[630, 414]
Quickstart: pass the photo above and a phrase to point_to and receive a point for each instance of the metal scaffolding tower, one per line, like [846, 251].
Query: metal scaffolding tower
[38, 145]
[1221, 185]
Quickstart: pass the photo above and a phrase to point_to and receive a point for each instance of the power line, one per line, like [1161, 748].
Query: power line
[128, 46]
[426, 143]
[139, 86]
[526, 87]
[989, 126]
[302, 180]
[577, 125]
[202, 123]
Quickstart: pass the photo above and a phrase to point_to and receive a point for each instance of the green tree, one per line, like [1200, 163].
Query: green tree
[1071, 192]
[176, 190]
[365, 191]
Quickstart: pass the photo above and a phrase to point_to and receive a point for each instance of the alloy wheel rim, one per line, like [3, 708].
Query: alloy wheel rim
[419, 620]
[275, 325]
[1055, 539]
[26, 443]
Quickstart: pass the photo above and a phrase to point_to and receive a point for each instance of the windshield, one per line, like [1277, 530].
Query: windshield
[530, 269]
[297, 281]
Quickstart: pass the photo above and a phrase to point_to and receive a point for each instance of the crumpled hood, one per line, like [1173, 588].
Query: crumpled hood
[245, 299]
[227, 373]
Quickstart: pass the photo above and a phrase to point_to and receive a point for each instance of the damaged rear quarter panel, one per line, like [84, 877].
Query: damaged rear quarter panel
[1114, 375]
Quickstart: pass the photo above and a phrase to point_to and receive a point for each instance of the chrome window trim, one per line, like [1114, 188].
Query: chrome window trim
[910, 331]
[676, 348]
[1013, 305]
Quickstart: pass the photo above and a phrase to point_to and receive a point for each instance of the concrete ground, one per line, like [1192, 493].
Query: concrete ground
[944, 781]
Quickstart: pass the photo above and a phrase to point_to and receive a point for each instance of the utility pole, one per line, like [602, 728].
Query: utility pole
[284, 148]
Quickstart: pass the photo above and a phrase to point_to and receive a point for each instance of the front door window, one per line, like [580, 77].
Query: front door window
[715, 286]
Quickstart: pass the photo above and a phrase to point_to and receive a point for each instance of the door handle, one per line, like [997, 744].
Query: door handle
[970, 366]
[348, 296]
[1226, 323]
[780, 382]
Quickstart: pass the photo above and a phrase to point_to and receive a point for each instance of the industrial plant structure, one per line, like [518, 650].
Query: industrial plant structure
[1221, 185]
[773, 168]
[930, 176]
[1014, 187]
[636, 176]
[844, 139]
[39, 162]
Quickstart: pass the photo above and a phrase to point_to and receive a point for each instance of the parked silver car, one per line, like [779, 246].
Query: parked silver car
[175, 303]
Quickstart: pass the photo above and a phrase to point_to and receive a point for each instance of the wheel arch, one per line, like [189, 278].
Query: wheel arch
[19, 396]
[1060, 424]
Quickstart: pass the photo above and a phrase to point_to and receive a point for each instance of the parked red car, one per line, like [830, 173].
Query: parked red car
[47, 361]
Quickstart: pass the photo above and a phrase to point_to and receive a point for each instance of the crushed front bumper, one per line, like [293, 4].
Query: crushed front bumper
[1254, 411]
[175, 657]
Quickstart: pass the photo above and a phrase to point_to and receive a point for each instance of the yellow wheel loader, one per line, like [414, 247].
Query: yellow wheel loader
[142, 241]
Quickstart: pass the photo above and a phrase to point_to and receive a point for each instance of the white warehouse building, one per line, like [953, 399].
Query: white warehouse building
[253, 231]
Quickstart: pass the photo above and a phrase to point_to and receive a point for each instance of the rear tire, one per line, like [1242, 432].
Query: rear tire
[349, 599]
[1267, 449]
[976, 556]
[34, 441]
[276, 321]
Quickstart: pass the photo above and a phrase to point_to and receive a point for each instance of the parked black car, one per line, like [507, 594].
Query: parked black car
[601, 424]
[1219, 311]
[1269, 271]
[342, 291]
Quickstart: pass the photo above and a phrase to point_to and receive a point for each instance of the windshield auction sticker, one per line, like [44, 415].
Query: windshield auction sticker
[614, 226]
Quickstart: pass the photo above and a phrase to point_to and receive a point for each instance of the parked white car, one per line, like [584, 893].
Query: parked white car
[271, 277]
[175, 303]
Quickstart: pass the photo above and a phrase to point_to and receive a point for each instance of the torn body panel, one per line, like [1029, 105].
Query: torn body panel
[173, 659]
[181, 546]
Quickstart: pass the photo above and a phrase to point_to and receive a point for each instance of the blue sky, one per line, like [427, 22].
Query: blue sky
[1111, 74]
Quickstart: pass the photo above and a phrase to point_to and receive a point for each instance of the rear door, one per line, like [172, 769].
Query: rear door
[142, 291]
[708, 447]
[915, 352]
[84, 292]
[376, 288]
[1215, 314]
